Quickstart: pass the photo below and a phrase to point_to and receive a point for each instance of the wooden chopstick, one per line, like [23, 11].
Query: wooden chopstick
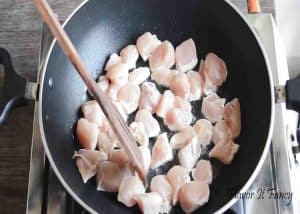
[119, 125]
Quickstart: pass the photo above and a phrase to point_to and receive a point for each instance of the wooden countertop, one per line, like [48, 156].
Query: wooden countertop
[20, 27]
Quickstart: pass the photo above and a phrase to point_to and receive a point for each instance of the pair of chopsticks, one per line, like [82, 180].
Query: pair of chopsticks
[119, 125]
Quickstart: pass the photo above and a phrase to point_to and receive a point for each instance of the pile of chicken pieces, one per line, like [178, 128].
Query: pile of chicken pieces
[134, 90]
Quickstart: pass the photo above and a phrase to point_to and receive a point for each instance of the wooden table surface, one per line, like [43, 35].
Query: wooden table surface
[20, 27]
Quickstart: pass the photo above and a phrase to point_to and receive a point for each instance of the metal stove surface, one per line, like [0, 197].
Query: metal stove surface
[46, 194]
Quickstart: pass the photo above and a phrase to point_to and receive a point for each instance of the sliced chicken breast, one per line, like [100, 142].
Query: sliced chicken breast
[163, 77]
[177, 177]
[213, 107]
[119, 156]
[150, 97]
[232, 116]
[161, 152]
[160, 184]
[216, 69]
[150, 203]
[162, 57]
[92, 112]
[113, 60]
[221, 132]
[203, 130]
[130, 188]
[129, 97]
[195, 83]
[177, 119]
[139, 133]
[109, 176]
[180, 85]
[167, 102]
[139, 75]
[87, 161]
[118, 73]
[87, 134]
[146, 44]
[146, 156]
[129, 56]
[224, 151]
[189, 154]
[150, 123]
[180, 139]
[186, 56]
[203, 172]
[193, 195]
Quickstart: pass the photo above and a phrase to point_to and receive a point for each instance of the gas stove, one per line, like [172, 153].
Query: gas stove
[273, 191]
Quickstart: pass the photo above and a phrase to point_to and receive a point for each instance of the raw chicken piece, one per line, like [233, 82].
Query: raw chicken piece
[103, 84]
[203, 130]
[179, 140]
[118, 73]
[146, 155]
[87, 134]
[119, 157]
[232, 116]
[214, 73]
[203, 172]
[92, 112]
[167, 102]
[224, 151]
[129, 96]
[87, 161]
[189, 154]
[107, 139]
[139, 75]
[109, 176]
[177, 119]
[160, 184]
[150, 123]
[146, 44]
[163, 77]
[162, 57]
[112, 91]
[139, 133]
[216, 69]
[193, 195]
[177, 176]
[213, 107]
[161, 151]
[207, 86]
[182, 104]
[186, 56]
[129, 56]
[104, 141]
[150, 97]
[180, 85]
[113, 59]
[130, 188]
[150, 203]
[195, 83]
[221, 132]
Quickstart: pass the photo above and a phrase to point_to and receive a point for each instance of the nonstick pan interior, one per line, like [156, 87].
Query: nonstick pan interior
[100, 28]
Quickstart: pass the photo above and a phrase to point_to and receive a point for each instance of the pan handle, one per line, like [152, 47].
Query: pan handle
[13, 91]
[292, 91]
[253, 6]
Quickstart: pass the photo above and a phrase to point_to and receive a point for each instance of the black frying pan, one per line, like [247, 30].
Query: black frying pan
[101, 27]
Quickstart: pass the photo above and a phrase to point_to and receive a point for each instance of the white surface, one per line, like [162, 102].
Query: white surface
[287, 19]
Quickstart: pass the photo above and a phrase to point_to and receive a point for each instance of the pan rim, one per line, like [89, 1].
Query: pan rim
[254, 174]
